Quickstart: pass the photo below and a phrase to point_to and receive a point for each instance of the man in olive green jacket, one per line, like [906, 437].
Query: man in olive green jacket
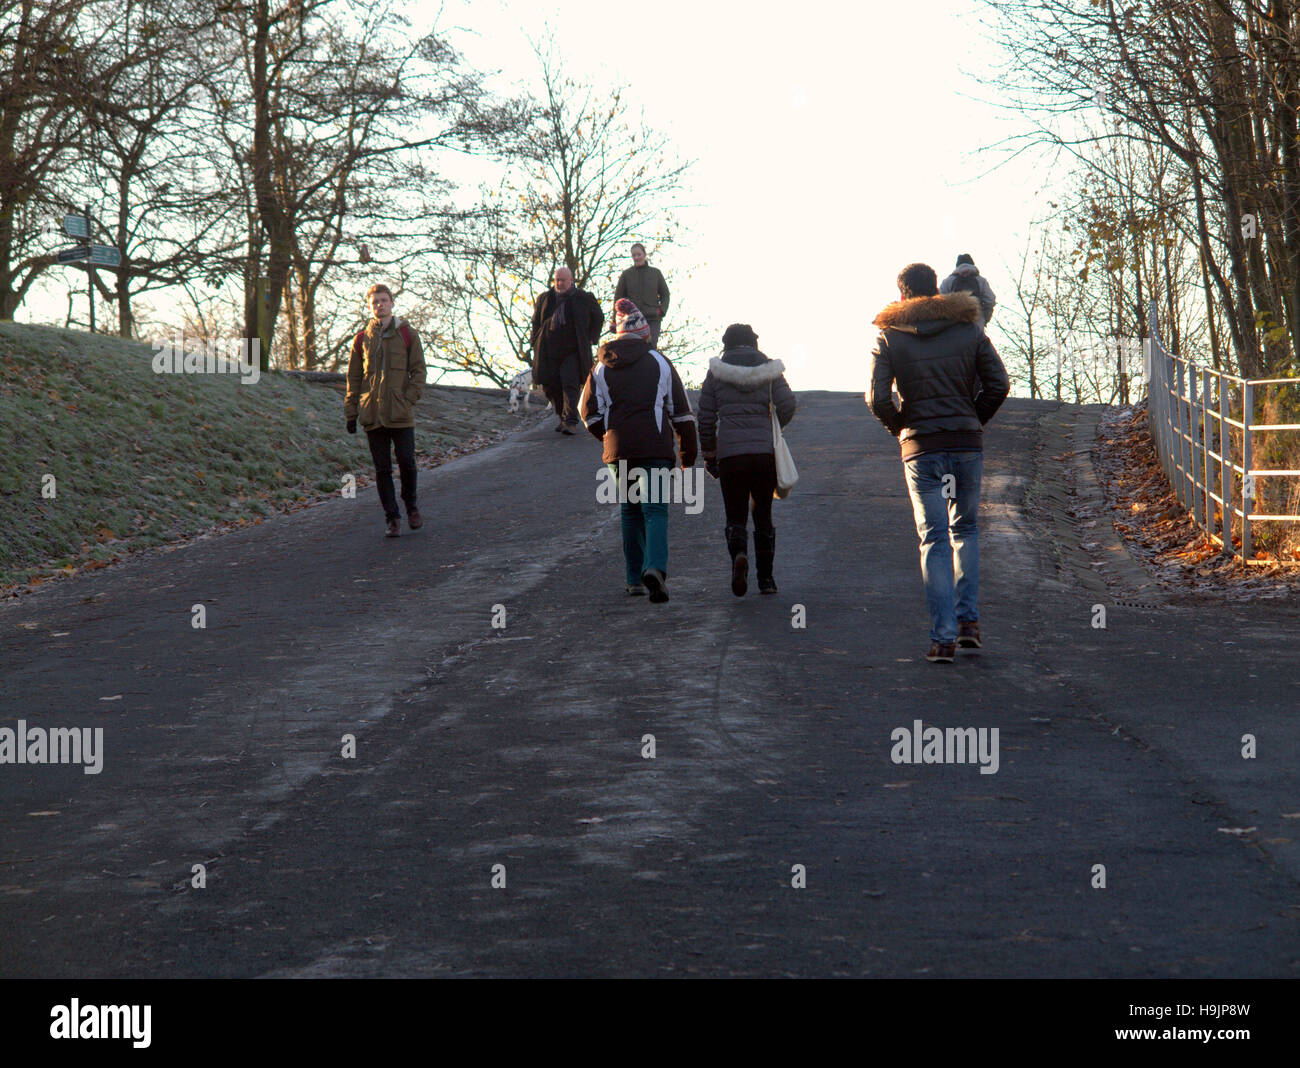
[645, 287]
[385, 379]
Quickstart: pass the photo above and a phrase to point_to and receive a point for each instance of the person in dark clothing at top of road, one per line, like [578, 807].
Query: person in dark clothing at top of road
[566, 322]
[739, 391]
[635, 403]
[966, 278]
[645, 287]
[951, 383]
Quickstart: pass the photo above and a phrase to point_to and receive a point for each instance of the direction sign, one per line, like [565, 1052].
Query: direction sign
[76, 252]
[75, 226]
[105, 256]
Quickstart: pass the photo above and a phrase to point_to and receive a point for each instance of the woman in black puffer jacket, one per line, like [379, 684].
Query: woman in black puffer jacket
[736, 438]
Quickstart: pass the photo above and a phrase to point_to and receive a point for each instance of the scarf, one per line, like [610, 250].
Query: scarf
[561, 314]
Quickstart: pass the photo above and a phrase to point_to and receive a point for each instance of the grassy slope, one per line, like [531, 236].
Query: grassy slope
[142, 458]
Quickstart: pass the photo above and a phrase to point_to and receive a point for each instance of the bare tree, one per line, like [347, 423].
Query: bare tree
[140, 156]
[46, 82]
[584, 181]
[1216, 85]
[333, 106]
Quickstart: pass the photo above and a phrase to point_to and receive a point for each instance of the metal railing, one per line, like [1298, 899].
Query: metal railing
[1207, 464]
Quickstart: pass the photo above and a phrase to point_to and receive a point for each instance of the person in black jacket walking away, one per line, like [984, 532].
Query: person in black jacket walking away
[951, 383]
[736, 438]
[634, 403]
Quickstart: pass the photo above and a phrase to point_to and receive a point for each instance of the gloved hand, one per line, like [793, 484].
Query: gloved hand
[352, 426]
[711, 466]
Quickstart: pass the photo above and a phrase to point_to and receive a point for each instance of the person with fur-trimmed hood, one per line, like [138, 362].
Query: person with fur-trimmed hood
[951, 382]
[635, 404]
[741, 388]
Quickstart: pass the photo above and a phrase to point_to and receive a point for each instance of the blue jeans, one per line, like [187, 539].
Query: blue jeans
[645, 523]
[945, 509]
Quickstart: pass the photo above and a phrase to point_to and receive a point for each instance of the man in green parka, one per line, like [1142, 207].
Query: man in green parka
[645, 287]
[385, 379]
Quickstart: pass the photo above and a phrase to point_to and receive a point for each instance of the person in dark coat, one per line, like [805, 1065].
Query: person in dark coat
[634, 403]
[740, 390]
[566, 323]
[951, 382]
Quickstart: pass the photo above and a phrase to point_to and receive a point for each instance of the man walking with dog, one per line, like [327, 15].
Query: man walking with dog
[951, 383]
[566, 322]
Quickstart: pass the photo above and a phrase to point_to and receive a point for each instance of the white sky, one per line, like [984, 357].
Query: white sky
[835, 142]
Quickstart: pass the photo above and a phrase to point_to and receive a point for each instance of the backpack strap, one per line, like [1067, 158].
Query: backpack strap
[406, 337]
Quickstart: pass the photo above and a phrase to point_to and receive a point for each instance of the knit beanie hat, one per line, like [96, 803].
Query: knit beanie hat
[739, 334]
[965, 258]
[629, 320]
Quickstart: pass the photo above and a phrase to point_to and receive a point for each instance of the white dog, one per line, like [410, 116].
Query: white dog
[521, 386]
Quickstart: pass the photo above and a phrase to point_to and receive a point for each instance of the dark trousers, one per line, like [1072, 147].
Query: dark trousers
[383, 442]
[750, 475]
[563, 378]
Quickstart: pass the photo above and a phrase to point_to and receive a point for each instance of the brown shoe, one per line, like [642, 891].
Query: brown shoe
[968, 635]
[942, 653]
[413, 519]
[394, 528]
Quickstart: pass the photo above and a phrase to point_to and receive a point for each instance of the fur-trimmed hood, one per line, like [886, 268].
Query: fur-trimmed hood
[746, 377]
[737, 399]
[929, 315]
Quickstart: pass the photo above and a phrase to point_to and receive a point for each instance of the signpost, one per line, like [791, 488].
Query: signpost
[90, 276]
[94, 255]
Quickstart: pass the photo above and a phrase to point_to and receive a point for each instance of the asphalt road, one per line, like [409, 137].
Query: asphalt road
[522, 745]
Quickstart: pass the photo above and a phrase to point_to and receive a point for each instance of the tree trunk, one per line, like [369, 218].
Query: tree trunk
[269, 211]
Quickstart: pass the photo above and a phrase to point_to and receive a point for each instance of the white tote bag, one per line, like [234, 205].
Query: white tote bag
[786, 473]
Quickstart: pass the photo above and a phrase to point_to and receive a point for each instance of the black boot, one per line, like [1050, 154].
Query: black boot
[737, 546]
[764, 554]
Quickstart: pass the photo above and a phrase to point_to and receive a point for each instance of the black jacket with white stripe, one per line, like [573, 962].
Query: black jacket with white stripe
[634, 402]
